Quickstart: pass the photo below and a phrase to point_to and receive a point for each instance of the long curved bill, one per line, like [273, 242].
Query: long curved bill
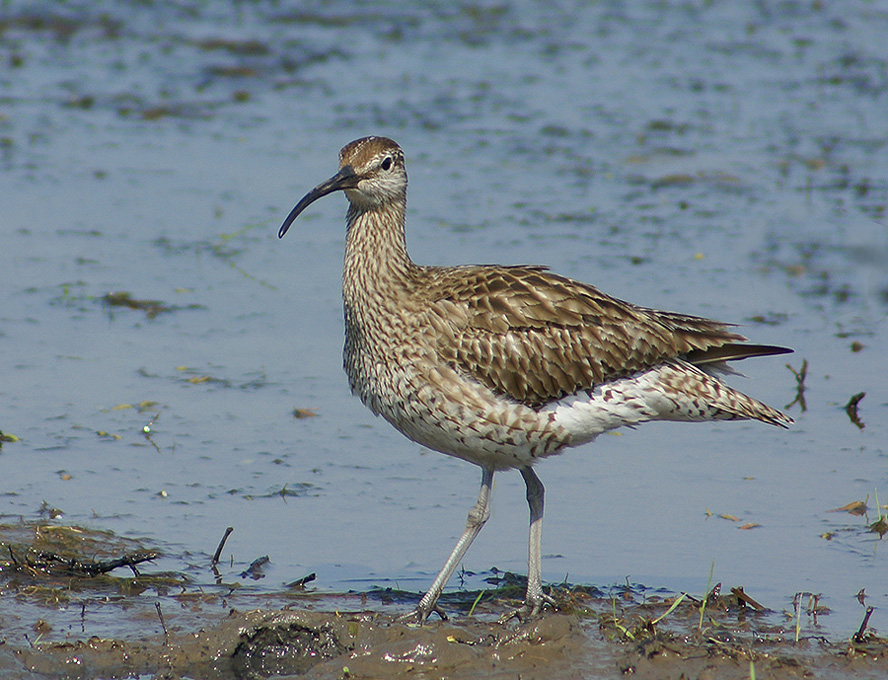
[344, 179]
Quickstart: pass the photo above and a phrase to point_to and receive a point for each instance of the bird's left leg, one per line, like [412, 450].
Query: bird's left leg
[478, 515]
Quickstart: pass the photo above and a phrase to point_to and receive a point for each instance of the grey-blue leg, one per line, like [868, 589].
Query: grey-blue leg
[478, 515]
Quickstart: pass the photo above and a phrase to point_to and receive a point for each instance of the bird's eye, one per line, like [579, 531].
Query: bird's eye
[387, 163]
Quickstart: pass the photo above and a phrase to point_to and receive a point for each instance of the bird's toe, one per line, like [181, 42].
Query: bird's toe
[421, 614]
[532, 608]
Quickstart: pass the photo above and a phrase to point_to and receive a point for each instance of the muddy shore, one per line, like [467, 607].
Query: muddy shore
[169, 626]
[369, 644]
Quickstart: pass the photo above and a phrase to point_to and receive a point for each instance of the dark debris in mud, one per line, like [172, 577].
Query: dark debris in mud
[35, 561]
[55, 562]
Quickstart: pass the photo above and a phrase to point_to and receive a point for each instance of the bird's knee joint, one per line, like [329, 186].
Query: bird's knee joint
[478, 516]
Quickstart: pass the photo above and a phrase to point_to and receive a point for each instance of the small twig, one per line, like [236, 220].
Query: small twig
[812, 604]
[800, 376]
[858, 636]
[300, 582]
[218, 552]
[166, 635]
[746, 599]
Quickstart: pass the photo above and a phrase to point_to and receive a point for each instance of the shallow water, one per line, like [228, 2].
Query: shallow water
[727, 161]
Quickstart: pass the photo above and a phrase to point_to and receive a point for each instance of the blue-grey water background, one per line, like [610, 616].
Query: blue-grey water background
[714, 158]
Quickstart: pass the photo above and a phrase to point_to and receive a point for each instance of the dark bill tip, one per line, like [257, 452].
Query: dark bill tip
[344, 179]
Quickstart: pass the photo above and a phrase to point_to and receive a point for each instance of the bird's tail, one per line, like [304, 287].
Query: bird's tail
[694, 394]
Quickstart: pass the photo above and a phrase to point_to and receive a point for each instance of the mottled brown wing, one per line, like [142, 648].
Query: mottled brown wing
[536, 336]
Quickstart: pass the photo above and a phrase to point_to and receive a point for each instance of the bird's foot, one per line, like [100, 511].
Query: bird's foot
[532, 608]
[419, 615]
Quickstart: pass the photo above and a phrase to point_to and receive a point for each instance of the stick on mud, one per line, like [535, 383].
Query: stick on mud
[166, 635]
[858, 636]
[218, 552]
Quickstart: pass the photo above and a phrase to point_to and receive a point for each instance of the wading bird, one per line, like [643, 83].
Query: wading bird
[504, 365]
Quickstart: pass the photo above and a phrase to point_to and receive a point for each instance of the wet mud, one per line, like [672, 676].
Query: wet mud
[369, 644]
[170, 626]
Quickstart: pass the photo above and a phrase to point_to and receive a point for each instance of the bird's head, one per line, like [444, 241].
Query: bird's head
[371, 173]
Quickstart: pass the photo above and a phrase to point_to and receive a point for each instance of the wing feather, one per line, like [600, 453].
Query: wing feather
[536, 336]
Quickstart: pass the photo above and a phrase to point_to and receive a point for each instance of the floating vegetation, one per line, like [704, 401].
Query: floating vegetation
[854, 507]
[7, 438]
[300, 413]
[124, 299]
[851, 409]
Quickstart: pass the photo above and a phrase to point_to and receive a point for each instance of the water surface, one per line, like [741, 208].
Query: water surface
[722, 160]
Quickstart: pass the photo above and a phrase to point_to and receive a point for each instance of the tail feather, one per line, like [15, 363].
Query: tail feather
[697, 387]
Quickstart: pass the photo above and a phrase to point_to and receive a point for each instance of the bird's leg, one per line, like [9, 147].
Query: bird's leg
[535, 599]
[477, 517]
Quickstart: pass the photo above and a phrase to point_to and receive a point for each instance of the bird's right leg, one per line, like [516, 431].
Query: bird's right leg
[535, 599]
[477, 517]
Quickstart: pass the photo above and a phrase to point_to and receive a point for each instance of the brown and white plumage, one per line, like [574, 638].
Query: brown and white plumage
[503, 365]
